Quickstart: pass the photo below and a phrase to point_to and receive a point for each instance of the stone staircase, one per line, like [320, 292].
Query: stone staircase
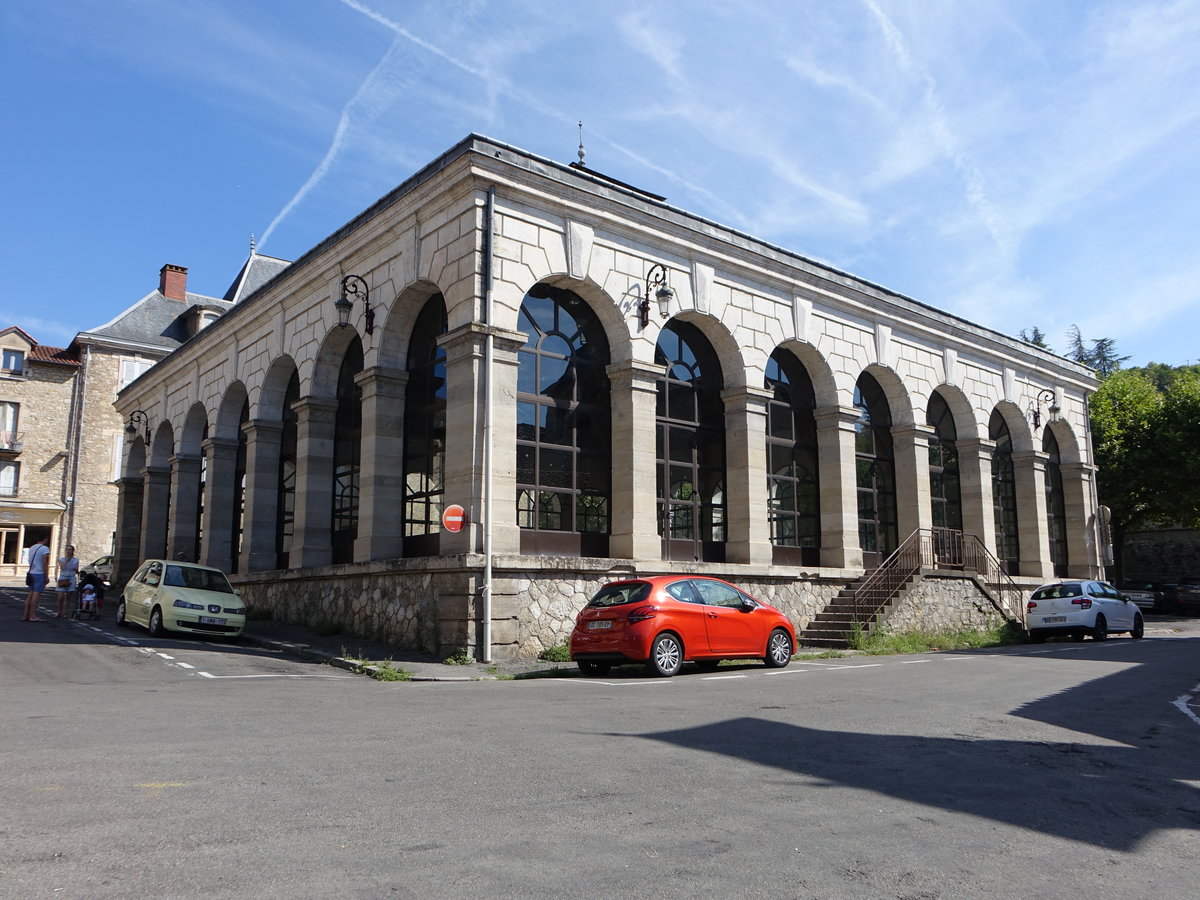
[835, 624]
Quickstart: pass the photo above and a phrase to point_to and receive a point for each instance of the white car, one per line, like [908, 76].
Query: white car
[169, 596]
[1080, 608]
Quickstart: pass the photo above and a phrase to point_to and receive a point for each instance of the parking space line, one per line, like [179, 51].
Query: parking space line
[277, 675]
[913, 662]
[720, 677]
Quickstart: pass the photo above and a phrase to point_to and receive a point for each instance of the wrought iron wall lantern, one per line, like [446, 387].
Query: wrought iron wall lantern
[656, 278]
[354, 288]
[1035, 408]
[136, 418]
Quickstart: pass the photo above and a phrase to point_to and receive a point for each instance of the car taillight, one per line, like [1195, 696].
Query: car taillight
[1082, 602]
[1030, 605]
[641, 614]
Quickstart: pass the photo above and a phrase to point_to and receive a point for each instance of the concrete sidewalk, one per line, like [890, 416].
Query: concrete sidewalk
[341, 650]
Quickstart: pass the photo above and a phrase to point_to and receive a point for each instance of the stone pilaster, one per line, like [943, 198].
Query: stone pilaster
[1083, 556]
[910, 448]
[127, 553]
[221, 492]
[839, 487]
[156, 505]
[748, 536]
[1029, 470]
[381, 469]
[185, 495]
[975, 480]
[312, 543]
[262, 495]
[634, 484]
[466, 405]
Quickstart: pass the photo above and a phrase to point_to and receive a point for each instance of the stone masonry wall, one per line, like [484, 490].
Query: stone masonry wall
[945, 603]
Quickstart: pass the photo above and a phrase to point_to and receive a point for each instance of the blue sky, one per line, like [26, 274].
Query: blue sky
[1016, 162]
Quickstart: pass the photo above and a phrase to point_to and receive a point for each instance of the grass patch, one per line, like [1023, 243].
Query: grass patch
[885, 643]
[557, 653]
[824, 654]
[386, 671]
[458, 659]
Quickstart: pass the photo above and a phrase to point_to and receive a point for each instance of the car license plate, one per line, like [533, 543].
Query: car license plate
[1050, 620]
[599, 624]
[209, 620]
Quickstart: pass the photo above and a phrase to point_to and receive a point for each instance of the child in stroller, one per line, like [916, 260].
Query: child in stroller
[91, 589]
[87, 602]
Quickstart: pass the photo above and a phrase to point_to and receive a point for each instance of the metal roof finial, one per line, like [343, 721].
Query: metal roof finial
[582, 152]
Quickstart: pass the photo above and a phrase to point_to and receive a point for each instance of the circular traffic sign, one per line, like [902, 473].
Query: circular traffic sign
[454, 517]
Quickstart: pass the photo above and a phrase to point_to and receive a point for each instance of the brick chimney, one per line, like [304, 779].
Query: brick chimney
[172, 282]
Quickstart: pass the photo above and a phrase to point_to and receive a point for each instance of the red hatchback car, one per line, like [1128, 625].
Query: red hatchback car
[668, 619]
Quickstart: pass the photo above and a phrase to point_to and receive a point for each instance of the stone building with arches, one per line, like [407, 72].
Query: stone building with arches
[608, 385]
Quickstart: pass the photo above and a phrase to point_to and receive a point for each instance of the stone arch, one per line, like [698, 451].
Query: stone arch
[616, 329]
[1018, 426]
[327, 363]
[229, 413]
[194, 429]
[135, 458]
[732, 358]
[819, 372]
[273, 391]
[965, 419]
[396, 330]
[162, 447]
[1068, 443]
[899, 400]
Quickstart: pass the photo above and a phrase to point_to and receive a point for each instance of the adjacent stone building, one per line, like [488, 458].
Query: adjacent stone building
[608, 385]
[61, 440]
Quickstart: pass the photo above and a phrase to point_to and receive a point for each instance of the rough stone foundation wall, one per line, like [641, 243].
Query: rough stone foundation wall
[945, 603]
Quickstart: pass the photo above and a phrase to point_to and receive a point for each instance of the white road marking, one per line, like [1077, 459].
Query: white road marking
[281, 675]
[1189, 704]
[913, 662]
[184, 665]
[720, 677]
[863, 666]
[164, 656]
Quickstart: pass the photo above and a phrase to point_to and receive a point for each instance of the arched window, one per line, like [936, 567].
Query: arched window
[425, 431]
[564, 443]
[690, 445]
[793, 491]
[285, 511]
[944, 484]
[347, 446]
[1056, 514]
[1004, 495]
[237, 526]
[875, 472]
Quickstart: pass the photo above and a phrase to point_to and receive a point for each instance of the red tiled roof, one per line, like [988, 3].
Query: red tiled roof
[58, 355]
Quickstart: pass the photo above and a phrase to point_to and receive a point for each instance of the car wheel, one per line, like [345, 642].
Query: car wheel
[1100, 631]
[779, 649]
[707, 665]
[666, 656]
[156, 624]
[589, 667]
[1139, 627]
[121, 612]
[1037, 637]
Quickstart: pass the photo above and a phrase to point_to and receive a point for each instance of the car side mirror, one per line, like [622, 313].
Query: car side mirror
[152, 580]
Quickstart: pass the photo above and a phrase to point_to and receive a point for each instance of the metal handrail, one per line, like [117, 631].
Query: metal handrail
[936, 548]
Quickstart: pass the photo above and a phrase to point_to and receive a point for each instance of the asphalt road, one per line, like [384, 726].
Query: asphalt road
[140, 768]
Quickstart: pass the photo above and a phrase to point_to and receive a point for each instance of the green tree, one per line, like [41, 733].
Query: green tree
[1101, 356]
[1035, 336]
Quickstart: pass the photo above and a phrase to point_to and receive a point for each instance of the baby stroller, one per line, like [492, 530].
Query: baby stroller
[89, 597]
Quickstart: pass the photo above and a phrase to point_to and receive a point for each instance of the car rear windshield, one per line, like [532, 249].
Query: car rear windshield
[200, 579]
[618, 594]
[1053, 591]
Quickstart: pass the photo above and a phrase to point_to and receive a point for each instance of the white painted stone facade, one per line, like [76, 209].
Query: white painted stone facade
[568, 228]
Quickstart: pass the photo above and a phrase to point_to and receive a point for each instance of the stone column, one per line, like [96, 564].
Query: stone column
[128, 549]
[220, 489]
[1083, 557]
[839, 487]
[185, 495]
[381, 466]
[1029, 470]
[156, 506]
[312, 543]
[975, 481]
[262, 495]
[910, 447]
[748, 534]
[465, 417]
[634, 520]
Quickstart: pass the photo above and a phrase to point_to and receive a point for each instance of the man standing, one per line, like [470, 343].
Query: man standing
[39, 556]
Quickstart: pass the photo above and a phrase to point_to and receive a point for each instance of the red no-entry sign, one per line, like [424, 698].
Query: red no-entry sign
[454, 517]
